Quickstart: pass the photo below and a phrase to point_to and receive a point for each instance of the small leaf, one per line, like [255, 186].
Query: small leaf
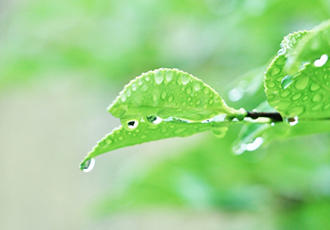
[306, 93]
[168, 92]
[146, 132]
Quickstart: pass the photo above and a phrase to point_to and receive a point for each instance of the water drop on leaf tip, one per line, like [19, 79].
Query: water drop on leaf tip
[87, 165]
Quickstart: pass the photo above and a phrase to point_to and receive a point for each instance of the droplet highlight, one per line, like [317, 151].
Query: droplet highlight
[286, 81]
[321, 62]
[88, 165]
[159, 77]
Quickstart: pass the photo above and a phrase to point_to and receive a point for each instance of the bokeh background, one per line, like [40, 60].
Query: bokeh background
[63, 62]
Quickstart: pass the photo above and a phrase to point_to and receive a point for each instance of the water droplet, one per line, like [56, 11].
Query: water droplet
[169, 75]
[107, 141]
[316, 107]
[211, 101]
[286, 81]
[317, 97]
[274, 71]
[325, 77]
[305, 98]
[293, 121]
[235, 94]
[123, 97]
[188, 90]
[147, 77]
[185, 79]
[296, 96]
[197, 85]
[159, 77]
[88, 165]
[189, 98]
[255, 144]
[170, 99]
[140, 82]
[315, 86]
[198, 102]
[296, 110]
[285, 93]
[163, 96]
[154, 97]
[144, 88]
[206, 90]
[281, 51]
[271, 84]
[120, 138]
[154, 119]
[219, 132]
[128, 93]
[320, 62]
[301, 82]
[143, 137]
[134, 87]
[132, 124]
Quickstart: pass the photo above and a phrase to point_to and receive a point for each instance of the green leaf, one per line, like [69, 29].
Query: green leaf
[146, 132]
[306, 93]
[169, 92]
[311, 47]
[161, 104]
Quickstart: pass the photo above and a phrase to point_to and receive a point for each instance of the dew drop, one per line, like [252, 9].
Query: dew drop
[305, 98]
[185, 79]
[315, 86]
[159, 77]
[296, 96]
[198, 102]
[235, 94]
[140, 82]
[320, 62]
[143, 137]
[154, 119]
[169, 75]
[147, 77]
[255, 144]
[293, 121]
[188, 90]
[281, 51]
[274, 71]
[301, 83]
[123, 97]
[211, 101]
[170, 99]
[317, 97]
[179, 130]
[128, 93]
[132, 124]
[134, 87]
[219, 132]
[271, 84]
[107, 141]
[163, 96]
[120, 138]
[286, 81]
[197, 85]
[206, 90]
[189, 98]
[285, 93]
[144, 88]
[88, 165]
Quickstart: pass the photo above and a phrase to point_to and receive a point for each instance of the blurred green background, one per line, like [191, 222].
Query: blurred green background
[63, 62]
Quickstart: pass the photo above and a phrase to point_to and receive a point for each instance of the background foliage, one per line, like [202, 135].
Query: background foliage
[63, 62]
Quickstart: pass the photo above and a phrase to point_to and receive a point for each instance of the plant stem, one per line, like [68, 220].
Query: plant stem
[275, 116]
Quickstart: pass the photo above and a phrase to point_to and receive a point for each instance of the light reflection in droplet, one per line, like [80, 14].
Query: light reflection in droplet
[320, 62]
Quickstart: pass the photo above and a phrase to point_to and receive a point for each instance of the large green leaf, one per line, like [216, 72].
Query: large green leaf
[168, 92]
[306, 93]
[161, 104]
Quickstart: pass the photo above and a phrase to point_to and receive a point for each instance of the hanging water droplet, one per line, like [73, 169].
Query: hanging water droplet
[159, 77]
[293, 121]
[320, 62]
[132, 124]
[286, 81]
[281, 51]
[235, 94]
[88, 165]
